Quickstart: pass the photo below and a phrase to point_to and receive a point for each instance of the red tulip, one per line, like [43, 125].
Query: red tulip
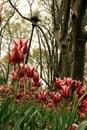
[30, 71]
[36, 77]
[1, 14]
[11, 58]
[66, 90]
[43, 95]
[50, 103]
[68, 81]
[20, 48]
[21, 45]
[15, 75]
[24, 48]
[78, 84]
[74, 127]
[56, 96]
[83, 110]
[58, 83]
[37, 84]
[1, 9]
[19, 97]
[16, 56]
[22, 70]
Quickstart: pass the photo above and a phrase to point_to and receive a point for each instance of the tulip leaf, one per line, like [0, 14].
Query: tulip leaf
[82, 125]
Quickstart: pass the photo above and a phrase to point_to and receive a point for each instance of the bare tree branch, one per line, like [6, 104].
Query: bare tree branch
[45, 39]
[18, 11]
[4, 2]
[6, 22]
[30, 4]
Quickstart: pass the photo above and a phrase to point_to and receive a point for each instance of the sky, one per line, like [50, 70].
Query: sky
[24, 7]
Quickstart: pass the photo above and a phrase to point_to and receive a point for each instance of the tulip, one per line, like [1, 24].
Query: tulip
[24, 49]
[66, 91]
[43, 95]
[50, 103]
[37, 84]
[15, 75]
[22, 70]
[74, 127]
[1, 14]
[78, 84]
[30, 71]
[11, 58]
[19, 97]
[1, 9]
[56, 96]
[68, 81]
[36, 77]
[19, 50]
[21, 45]
[58, 83]
[16, 56]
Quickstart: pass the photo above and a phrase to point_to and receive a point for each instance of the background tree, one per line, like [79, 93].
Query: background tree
[79, 37]
[60, 33]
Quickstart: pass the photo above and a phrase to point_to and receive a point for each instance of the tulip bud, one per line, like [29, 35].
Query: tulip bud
[74, 126]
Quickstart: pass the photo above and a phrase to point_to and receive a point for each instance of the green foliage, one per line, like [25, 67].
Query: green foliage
[28, 116]
[83, 125]
[2, 80]
[36, 56]
[2, 76]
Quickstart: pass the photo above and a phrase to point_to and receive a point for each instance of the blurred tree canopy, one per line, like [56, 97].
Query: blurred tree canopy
[59, 39]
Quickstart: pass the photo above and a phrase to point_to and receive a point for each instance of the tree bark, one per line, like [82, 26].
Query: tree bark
[79, 39]
[64, 42]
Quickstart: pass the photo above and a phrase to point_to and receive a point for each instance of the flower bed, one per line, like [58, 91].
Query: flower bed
[25, 105]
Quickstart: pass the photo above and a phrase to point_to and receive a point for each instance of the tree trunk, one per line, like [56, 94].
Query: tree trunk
[79, 9]
[65, 72]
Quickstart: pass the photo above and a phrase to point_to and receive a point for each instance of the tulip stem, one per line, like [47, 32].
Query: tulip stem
[29, 44]
[18, 77]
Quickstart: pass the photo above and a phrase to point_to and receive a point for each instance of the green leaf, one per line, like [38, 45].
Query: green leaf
[82, 125]
[18, 123]
[24, 112]
[31, 117]
[4, 109]
[73, 112]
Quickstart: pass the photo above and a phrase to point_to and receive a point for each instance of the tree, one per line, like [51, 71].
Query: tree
[79, 36]
[62, 35]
